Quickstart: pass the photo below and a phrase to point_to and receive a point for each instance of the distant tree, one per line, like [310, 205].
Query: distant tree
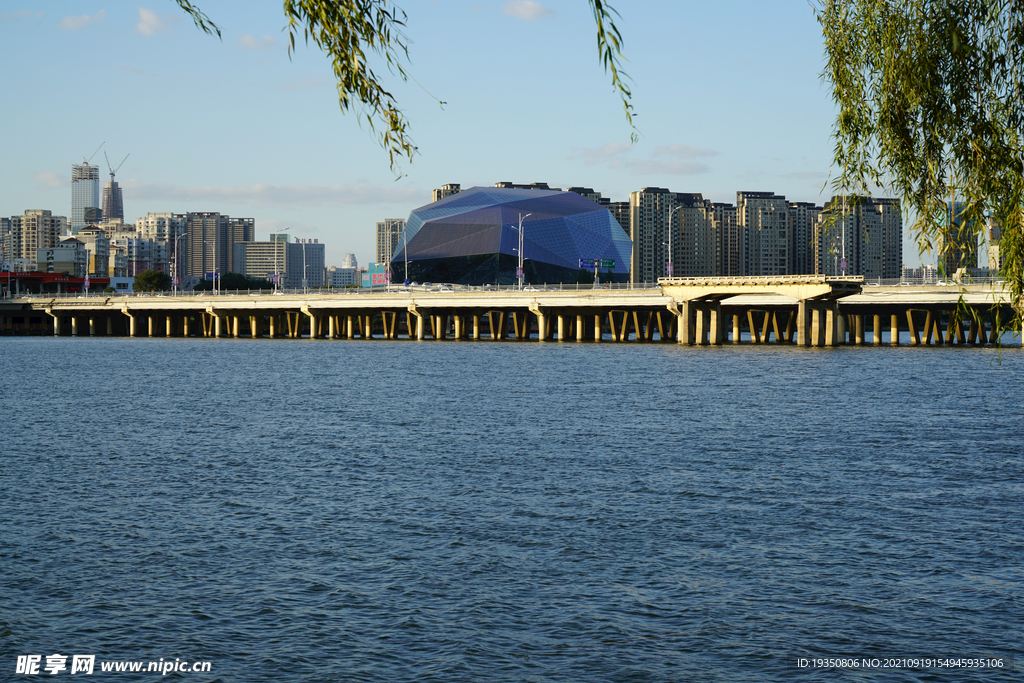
[152, 281]
[239, 281]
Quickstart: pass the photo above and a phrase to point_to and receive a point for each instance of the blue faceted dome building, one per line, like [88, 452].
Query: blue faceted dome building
[472, 238]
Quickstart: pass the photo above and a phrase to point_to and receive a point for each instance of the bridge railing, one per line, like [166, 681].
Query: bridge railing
[376, 290]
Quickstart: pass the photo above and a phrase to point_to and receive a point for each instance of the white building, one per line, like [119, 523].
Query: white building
[343, 277]
[389, 236]
[67, 256]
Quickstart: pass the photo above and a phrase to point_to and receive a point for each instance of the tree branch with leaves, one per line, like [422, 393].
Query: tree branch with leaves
[350, 32]
[930, 108]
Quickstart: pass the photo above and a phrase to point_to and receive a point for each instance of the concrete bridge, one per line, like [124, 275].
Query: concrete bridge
[805, 310]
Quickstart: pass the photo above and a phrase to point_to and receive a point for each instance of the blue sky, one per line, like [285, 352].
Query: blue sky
[727, 95]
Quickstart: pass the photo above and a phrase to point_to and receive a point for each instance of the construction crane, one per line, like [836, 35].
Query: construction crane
[114, 170]
[86, 161]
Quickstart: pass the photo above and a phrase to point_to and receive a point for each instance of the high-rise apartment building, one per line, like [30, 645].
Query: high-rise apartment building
[445, 191]
[661, 220]
[85, 193]
[803, 217]
[863, 237]
[764, 220]
[731, 245]
[36, 229]
[389, 237]
[211, 237]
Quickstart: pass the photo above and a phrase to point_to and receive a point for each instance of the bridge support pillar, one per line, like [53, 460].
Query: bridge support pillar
[561, 328]
[894, 330]
[915, 339]
[74, 326]
[858, 329]
[542, 326]
[476, 328]
[217, 326]
[597, 327]
[876, 330]
[458, 327]
[169, 326]
[419, 327]
[579, 328]
[832, 323]
[801, 323]
[717, 324]
[703, 324]
[735, 328]
[686, 321]
[92, 326]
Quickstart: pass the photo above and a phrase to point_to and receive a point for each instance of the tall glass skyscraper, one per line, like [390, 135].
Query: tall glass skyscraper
[85, 193]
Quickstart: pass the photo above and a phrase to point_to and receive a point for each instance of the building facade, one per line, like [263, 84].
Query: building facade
[267, 260]
[36, 229]
[85, 193]
[445, 191]
[763, 218]
[863, 237]
[113, 201]
[68, 256]
[210, 240]
[473, 238]
[672, 231]
[389, 238]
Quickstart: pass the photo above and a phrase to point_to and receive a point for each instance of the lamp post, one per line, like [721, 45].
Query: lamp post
[519, 271]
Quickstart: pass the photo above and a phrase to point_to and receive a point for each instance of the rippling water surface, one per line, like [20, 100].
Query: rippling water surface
[453, 511]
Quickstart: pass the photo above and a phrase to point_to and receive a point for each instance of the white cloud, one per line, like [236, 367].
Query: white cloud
[48, 180]
[683, 151]
[807, 175]
[132, 70]
[330, 195]
[75, 23]
[253, 44]
[20, 14]
[668, 167]
[151, 23]
[607, 154]
[528, 10]
[615, 155]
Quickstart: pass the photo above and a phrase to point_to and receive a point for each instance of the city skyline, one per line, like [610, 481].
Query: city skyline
[755, 118]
